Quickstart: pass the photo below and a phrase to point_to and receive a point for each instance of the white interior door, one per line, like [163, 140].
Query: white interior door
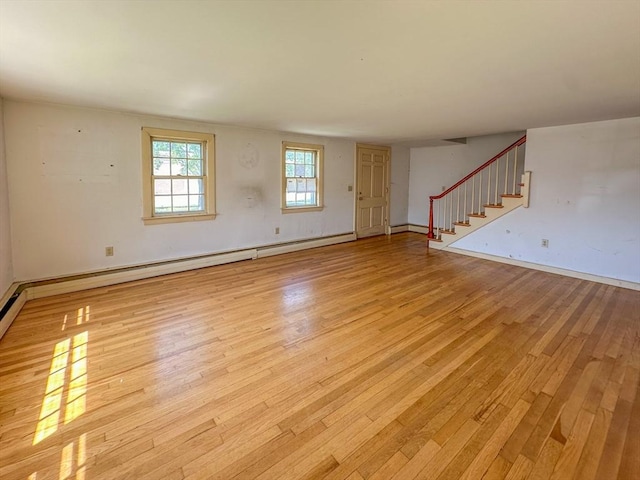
[372, 201]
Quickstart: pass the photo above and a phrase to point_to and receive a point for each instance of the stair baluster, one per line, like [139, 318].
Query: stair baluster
[480, 194]
[464, 213]
[497, 180]
[506, 172]
[515, 168]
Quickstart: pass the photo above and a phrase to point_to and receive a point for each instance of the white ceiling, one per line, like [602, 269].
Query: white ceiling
[383, 71]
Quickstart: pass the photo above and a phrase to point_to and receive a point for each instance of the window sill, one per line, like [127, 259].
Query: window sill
[301, 209]
[178, 219]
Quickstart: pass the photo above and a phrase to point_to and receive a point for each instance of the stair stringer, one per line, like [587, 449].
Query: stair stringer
[475, 223]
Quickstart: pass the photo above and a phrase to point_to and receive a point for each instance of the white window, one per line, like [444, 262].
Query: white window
[178, 175]
[301, 177]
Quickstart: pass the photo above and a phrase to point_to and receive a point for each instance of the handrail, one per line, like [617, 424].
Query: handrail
[517, 143]
[481, 167]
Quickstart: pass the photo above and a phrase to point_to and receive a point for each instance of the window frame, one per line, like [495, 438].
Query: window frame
[149, 217]
[319, 169]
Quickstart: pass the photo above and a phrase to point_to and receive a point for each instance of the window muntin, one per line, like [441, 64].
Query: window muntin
[302, 184]
[178, 176]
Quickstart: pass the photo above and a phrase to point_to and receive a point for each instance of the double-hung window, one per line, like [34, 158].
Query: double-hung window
[301, 177]
[178, 175]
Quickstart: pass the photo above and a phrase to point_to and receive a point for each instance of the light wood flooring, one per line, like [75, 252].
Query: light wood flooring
[366, 360]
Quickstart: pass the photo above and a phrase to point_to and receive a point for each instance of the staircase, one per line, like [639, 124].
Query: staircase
[490, 191]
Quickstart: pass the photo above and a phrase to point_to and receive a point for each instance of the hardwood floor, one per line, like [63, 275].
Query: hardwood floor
[367, 360]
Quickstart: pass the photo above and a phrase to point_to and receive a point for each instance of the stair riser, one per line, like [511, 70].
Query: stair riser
[475, 223]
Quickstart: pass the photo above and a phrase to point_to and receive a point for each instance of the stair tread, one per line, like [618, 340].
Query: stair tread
[462, 224]
[511, 195]
[494, 205]
[435, 240]
[448, 232]
[477, 215]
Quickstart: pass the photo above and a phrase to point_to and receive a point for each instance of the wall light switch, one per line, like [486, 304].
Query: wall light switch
[108, 251]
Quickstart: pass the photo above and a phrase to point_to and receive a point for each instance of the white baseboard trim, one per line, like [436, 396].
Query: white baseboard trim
[104, 279]
[546, 268]
[139, 272]
[12, 313]
[419, 228]
[399, 228]
[9, 293]
[270, 250]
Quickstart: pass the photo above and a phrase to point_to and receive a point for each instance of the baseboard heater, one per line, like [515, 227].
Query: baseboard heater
[14, 300]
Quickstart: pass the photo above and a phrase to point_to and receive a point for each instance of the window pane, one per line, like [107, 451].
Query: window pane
[301, 185]
[290, 170]
[162, 187]
[299, 157]
[291, 185]
[196, 186]
[195, 167]
[180, 203]
[299, 170]
[178, 167]
[179, 186]
[178, 150]
[162, 204]
[308, 158]
[196, 203]
[309, 171]
[194, 150]
[290, 156]
[160, 149]
[291, 199]
[161, 166]
[311, 185]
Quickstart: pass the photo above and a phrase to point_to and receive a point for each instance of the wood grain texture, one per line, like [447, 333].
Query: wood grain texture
[367, 360]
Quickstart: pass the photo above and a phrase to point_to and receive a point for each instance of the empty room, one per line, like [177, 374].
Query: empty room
[341, 240]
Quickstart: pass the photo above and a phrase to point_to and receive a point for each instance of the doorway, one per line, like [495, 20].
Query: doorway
[372, 188]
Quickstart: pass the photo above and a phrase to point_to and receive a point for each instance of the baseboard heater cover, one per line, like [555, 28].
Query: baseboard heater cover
[18, 294]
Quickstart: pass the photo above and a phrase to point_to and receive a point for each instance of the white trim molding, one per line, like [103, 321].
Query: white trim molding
[399, 228]
[10, 315]
[279, 249]
[547, 268]
[419, 229]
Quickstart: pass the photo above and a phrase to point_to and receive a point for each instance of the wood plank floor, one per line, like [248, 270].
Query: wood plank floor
[366, 360]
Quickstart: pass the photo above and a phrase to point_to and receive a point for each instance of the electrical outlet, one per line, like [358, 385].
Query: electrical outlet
[350, 188]
[545, 243]
[108, 251]
[277, 230]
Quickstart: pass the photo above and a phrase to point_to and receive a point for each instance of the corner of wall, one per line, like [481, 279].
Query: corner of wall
[6, 260]
[399, 185]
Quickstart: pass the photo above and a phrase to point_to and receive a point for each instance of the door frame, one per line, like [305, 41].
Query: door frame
[387, 186]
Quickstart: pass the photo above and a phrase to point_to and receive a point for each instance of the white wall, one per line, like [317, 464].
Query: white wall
[6, 267]
[432, 168]
[75, 177]
[585, 199]
[399, 210]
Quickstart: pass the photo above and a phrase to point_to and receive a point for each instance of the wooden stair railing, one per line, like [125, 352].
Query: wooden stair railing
[464, 199]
